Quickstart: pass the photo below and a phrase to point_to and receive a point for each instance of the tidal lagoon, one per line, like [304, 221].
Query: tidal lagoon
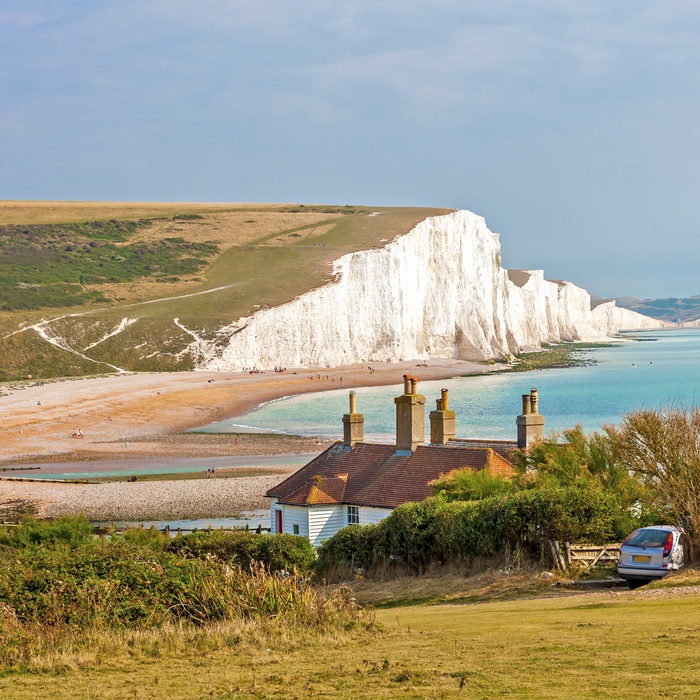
[652, 369]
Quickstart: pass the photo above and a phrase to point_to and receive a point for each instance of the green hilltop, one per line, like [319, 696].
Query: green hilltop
[107, 281]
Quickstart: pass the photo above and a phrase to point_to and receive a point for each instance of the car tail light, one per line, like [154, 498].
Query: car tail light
[669, 544]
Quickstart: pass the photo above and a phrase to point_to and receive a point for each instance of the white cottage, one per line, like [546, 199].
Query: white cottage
[355, 482]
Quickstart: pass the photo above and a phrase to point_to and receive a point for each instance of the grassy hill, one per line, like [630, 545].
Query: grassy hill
[674, 310]
[107, 281]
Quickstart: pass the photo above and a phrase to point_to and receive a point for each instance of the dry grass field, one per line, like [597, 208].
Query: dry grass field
[623, 645]
[46, 212]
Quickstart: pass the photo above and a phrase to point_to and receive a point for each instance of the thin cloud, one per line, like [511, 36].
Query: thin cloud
[22, 19]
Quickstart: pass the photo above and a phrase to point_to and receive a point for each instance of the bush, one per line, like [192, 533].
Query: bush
[277, 552]
[50, 591]
[435, 531]
[31, 532]
[470, 485]
[285, 552]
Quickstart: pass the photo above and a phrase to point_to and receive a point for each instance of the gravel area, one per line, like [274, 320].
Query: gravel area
[144, 500]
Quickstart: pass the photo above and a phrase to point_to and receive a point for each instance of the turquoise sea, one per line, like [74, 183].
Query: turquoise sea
[655, 369]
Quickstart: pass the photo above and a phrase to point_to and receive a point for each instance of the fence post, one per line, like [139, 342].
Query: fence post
[556, 555]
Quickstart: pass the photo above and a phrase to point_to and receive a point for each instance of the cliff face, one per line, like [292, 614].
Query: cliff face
[437, 291]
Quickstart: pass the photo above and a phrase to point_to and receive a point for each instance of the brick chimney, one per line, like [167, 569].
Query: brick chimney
[442, 421]
[410, 417]
[353, 425]
[531, 422]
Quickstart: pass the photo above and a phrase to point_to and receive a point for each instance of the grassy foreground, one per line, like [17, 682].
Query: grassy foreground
[628, 645]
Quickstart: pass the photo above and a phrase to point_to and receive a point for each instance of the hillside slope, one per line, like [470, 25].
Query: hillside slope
[89, 287]
[673, 310]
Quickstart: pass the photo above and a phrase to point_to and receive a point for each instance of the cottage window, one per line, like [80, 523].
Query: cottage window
[296, 529]
[353, 515]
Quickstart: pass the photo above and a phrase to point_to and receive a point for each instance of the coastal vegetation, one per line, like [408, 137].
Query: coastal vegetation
[557, 356]
[510, 528]
[61, 265]
[58, 584]
[626, 645]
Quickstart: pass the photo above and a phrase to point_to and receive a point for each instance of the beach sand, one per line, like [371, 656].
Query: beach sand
[141, 415]
[149, 410]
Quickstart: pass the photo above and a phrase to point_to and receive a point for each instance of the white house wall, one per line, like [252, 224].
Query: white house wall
[324, 522]
[295, 515]
[370, 516]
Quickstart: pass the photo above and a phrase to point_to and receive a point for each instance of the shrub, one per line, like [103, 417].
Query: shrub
[285, 552]
[277, 552]
[470, 485]
[436, 531]
[50, 591]
[32, 532]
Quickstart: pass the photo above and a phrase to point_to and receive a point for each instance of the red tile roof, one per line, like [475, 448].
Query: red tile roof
[503, 447]
[375, 475]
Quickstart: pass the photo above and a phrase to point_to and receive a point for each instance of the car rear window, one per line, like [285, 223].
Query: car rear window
[648, 538]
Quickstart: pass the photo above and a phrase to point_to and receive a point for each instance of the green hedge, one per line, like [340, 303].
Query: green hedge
[434, 531]
[277, 552]
[242, 547]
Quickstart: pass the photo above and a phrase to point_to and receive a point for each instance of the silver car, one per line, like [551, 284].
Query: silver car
[650, 553]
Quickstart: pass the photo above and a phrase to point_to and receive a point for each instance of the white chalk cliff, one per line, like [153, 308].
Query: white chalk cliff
[437, 291]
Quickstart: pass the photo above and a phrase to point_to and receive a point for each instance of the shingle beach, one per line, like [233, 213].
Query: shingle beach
[144, 500]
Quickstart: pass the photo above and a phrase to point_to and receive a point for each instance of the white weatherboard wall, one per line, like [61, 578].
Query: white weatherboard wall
[295, 515]
[324, 522]
[437, 291]
[370, 516]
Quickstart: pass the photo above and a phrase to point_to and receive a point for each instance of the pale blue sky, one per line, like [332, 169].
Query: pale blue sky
[571, 126]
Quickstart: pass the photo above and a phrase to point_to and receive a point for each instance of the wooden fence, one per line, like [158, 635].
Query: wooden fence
[565, 554]
[117, 528]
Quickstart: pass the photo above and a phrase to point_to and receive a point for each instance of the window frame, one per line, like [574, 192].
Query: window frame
[352, 515]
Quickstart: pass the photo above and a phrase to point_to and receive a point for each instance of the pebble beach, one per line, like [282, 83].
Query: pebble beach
[143, 500]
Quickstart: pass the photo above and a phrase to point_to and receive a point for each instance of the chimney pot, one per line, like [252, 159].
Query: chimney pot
[444, 403]
[526, 404]
[534, 400]
[353, 425]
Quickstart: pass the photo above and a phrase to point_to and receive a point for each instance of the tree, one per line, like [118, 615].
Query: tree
[577, 458]
[469, 485]
[662, 448]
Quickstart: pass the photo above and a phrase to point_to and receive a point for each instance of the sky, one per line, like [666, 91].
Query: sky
[572, 127]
